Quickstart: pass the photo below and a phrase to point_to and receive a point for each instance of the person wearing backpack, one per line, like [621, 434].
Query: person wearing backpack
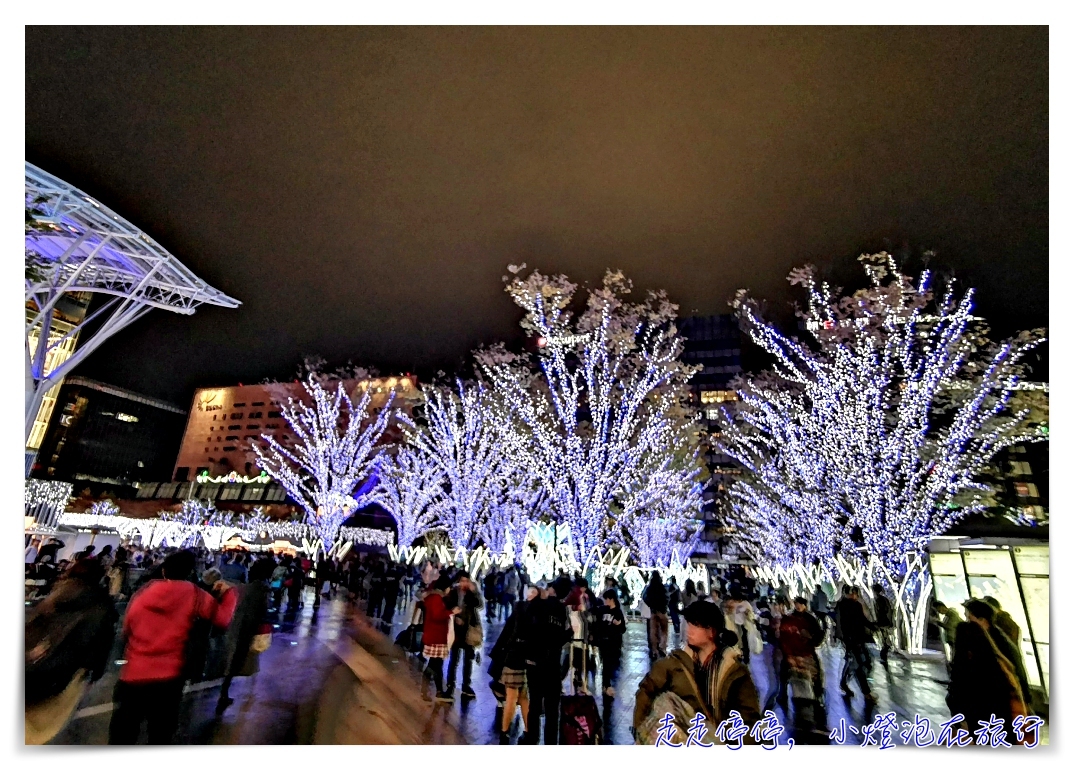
[157, 630]
[68, 638]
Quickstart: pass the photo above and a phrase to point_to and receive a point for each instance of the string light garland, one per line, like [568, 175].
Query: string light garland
[410, 488]
[868, 442]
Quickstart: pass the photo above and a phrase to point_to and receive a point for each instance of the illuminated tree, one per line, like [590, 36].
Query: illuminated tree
[600, 404]
[335, 447]
[871, 438]
[410, 488]
[459, 439]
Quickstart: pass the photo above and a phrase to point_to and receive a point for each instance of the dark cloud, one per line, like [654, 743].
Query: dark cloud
[361, 190]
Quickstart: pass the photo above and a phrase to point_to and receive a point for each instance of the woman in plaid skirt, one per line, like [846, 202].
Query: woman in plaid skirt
[435, 633]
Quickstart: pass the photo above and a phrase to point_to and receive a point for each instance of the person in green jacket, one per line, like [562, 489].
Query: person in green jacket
[707, 678]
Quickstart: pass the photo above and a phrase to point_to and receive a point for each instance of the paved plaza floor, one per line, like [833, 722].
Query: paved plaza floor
[280, 705]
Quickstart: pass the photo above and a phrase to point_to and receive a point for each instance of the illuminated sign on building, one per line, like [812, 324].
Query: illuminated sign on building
[232, 478]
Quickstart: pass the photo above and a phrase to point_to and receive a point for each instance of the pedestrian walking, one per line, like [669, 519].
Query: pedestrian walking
[547, 630]
[853, 629]
[464, 598]
[609, 628]
[674, 602]
[983, 683]
[655, 597]
[885, 622]
[508, 667]
[68, 637]
[156, 628]
[983, 614]
[437, 619]
[249, 622]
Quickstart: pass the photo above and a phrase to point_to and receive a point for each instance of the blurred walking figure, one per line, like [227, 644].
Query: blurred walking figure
[512, 586]
[983, 614]
[800, 633]
[885, 622]
[435, 633]
[68, 638]
[609, 628]
[547, 630]
[250, 620]
[948, 620]
[156, 627]
[983, 682]
[1003, 621]
[464, 598]
[820, 606]
[852, 627]
[674, 600]
[744, 618]
[392, 579]
[655, 597]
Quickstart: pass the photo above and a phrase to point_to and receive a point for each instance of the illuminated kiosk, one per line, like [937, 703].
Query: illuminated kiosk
[76, 247]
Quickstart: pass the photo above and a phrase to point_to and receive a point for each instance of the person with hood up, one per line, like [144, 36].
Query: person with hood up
[156, 628]
[708, 678]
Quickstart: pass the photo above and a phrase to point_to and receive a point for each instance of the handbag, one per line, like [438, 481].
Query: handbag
[262, 639]
[474, 635]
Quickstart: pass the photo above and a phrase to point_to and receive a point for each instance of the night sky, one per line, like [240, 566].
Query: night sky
[361, 190]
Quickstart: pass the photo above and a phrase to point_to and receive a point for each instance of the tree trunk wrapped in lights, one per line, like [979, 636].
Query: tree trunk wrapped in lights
[869, 441]
[335, 447]
[601, 404]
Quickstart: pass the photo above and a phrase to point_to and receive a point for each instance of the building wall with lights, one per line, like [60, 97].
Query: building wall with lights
[101, 433]
[715, 344]
[225, 422]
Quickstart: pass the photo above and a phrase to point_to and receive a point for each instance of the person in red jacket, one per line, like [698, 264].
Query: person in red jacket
[435, 633]
[156, 628]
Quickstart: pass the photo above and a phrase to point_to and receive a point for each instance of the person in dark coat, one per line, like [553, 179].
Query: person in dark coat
[508, 667]
[982, 613]
[983, 682]
[294, 583]
[853, 628]
[608, 629]
[68, 638]
[251, 614]
[465, 597]
[547, 630]
[655, 597]
[885, 622]
[392, 579]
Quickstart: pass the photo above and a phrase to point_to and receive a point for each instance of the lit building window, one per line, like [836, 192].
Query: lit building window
[718, 396]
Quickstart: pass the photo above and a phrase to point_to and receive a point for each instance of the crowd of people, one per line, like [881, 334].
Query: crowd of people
[190, 615]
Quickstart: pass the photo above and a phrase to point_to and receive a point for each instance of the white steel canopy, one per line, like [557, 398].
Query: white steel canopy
[76, 244]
